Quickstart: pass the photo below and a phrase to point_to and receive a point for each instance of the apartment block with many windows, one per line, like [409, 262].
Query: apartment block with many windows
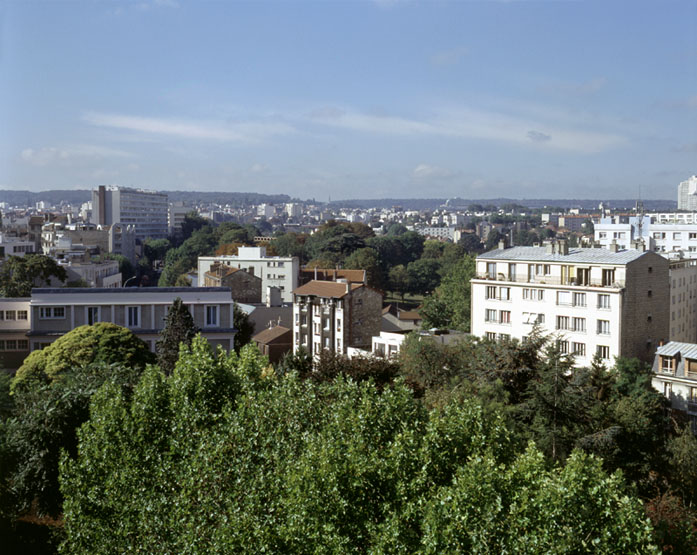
[55, 312]
[15, 323]
[335, 315]
[675, 375]
[592, 301]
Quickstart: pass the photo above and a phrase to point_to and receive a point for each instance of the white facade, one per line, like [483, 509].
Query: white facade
[687, 194]
[275, 271]
[671, 236]
[387, 344]
[13, 246]
[590, 300]
[176, 212]
[675, 376]
[146, 210]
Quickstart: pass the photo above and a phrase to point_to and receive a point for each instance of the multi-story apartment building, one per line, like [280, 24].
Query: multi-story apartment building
[683, 299]
[687, 194]
[146, 210]
[675, 375]
[604, 301]
[55, 312]
[14, 246]
[657, 235]
[274, 271]
[94, 274]
[15, 323]
[113, 239]
[335, 315]
[176, 213]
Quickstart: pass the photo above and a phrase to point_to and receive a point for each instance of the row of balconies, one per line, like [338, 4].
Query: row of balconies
[552, 280]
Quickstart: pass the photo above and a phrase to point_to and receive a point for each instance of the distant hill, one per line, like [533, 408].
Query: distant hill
[76, 197]
[432, 203]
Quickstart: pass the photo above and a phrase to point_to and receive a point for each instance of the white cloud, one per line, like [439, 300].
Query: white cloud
[246, 132]
[69, 154]
[257, 168]
[538, 131]
[426, 171]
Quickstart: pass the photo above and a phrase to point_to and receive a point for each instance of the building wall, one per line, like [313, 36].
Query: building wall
[365, 316]
[15, 323]
[645, 316]
[274, 271]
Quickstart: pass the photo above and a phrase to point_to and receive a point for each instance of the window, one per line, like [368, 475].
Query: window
[490, 292]
[315, 328]
[491, 270]
[563, 297]
[667, 389]
[603, 301]
[23, 344]
[491, 335]
[338, 325]
[504, 337]
[603, 327]
[603, 351]
[22, 315]
[579, 299]
[505, 317]
[92, 315]
[562, 322]
[693, 236]
[505, 293]
[490, 315]
[10, 315]
[677, 235]
[608, 277]
[578, 324]
[10, 344]
[578, 349]
[133, 316]
[667, 364]
[212, 315]
[51, 312]
[563, 347]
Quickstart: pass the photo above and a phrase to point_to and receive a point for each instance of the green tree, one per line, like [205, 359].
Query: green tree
[449, 305]
[156, 249]
[367, 259]
[244, 327]
[423, 275]
[125, 266]
[19, 274]
[101, 343]
[193, 222]
[399, 280]
[179, 330]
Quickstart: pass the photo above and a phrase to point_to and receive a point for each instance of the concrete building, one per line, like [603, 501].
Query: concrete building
[15, 323]
[683, 299]
[663, 236]
[120, 239]
[274, 271]
[329, 274]
[103, 274]
[606, 301]
[55, 312]
[14, 246]
[245, 288]
[176, 212]
[335, 316]
[675, 375]
[687, 194]
[146, 210]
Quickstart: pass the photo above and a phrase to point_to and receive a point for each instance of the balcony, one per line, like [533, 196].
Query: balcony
[551, 280]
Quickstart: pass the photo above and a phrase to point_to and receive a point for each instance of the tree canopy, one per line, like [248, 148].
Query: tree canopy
[18, 274]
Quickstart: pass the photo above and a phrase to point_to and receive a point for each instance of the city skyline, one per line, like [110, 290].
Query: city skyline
[351, 100]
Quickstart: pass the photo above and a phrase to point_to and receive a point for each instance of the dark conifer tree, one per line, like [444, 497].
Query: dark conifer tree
[179, 328]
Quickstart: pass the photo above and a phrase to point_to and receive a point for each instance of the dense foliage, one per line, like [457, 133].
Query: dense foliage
[179, 329]
[103, 343]
[19, 274]
[218, 458]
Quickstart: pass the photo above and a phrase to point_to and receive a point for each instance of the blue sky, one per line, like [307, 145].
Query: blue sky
[354, 99]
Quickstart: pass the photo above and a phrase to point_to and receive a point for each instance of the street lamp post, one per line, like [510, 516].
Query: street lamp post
[129, 279]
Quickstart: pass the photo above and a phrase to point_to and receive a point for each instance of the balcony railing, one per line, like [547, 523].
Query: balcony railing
[550, 280]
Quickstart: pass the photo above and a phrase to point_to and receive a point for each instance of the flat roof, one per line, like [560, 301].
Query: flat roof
[578, 255]
[124, 290]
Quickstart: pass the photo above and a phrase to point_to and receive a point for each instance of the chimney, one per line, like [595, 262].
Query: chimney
[550, 247]
[613, 246]
[563, 246]
[315, 272]
[502, 244]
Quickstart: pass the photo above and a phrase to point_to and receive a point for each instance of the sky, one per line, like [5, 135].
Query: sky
[351, 99]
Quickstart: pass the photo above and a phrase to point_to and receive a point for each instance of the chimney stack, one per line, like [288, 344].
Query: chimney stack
[613, 246]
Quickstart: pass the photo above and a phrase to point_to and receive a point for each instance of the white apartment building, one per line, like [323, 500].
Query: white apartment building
[176, 212]
[687, 194]
[606, 301]
[14, 246]
[146, 210]
[660, 235]
[675, 375]
[275, 271]
[15, 323]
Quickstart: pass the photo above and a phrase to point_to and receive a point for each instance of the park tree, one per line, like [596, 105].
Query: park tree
[367, 259]
[449, 305]
[100, 343]
[179, 330]
[287, 465]
[244, 327]
[19, 274]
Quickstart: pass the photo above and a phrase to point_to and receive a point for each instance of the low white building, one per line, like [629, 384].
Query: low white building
[675, 375]
[275, 271]
[609, 302]
[14, 246]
